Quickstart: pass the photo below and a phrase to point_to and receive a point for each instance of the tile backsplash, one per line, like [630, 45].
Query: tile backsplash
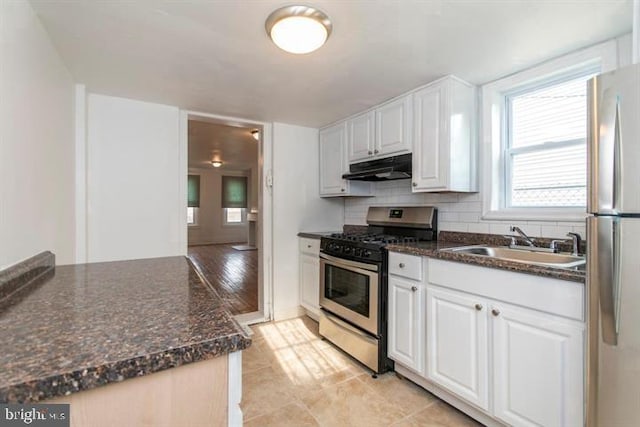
[456, 211]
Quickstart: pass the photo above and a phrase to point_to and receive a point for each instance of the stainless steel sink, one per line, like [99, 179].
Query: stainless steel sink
[522, 255]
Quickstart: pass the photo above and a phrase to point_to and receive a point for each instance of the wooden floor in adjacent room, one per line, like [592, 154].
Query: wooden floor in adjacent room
[233, 273]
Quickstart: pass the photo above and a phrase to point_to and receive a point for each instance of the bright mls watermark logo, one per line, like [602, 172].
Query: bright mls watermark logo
[38, 415]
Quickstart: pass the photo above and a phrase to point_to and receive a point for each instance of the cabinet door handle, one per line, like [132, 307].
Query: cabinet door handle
[370, 152]
[342, 189]
[478, 307]
[495, 312]
[401, 265]
[376, 151]
[415, 184]
[414, 288]
[309, 246]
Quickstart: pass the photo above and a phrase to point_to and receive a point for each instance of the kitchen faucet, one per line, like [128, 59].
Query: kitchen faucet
[576, 240]
[526, 238]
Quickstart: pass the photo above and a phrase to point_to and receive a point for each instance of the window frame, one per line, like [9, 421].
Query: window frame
[509, 151]
[494, 118]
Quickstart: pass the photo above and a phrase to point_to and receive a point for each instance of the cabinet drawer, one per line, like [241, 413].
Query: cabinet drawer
[559, 297]
[404, 265]
[310, 246]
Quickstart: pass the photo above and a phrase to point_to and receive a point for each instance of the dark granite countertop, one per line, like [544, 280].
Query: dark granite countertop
[451, 240]
[93, 324]
[316, 234]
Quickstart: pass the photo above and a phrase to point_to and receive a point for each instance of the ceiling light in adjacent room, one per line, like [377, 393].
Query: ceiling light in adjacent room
[216, 163]
[298, 29]
[256, 134]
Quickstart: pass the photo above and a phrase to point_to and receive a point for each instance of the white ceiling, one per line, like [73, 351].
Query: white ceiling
[215, 57]
[234, 146]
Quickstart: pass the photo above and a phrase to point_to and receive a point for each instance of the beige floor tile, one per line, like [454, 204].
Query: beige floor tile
[402, 392]
[292, 415]
[439, 414]
[353, 404]
[293, 378]
[257, 356]
[263, 391]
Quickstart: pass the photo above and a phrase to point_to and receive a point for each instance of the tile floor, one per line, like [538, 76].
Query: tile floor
[293, 378]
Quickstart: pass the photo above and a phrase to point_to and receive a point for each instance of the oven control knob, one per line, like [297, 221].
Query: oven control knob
[366, 253]
[357, 252]
[347, 250]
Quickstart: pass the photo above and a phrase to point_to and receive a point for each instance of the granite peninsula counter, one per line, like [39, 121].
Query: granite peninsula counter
[94, 324]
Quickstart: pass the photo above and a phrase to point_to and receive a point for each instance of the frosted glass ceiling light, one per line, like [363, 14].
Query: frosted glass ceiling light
[298, 29]
[216, 163]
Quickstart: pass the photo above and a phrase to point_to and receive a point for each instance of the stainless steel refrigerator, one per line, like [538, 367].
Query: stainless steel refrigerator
[613, 251]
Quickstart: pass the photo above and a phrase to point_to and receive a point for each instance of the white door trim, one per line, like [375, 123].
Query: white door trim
[265, 205]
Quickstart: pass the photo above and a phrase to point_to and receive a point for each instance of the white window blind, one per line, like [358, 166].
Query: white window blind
[546, 145]
[233, 215]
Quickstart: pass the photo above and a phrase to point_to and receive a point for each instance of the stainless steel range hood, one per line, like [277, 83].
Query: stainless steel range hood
[396, 167]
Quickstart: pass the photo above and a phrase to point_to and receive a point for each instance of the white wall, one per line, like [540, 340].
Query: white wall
[36, 141]
[210, 227]
[133, 180]
[296, 207]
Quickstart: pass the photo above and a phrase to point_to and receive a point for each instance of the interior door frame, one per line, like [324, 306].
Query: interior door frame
[265, 204]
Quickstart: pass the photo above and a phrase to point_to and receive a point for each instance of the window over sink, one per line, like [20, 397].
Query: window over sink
[534, 126]
[545, 150]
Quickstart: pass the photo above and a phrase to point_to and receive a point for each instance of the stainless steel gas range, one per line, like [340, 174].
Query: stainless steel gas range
[353, 280]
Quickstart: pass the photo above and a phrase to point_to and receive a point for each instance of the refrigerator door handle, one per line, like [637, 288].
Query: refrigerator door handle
[604, 270]
[617, 163]
[603, 155]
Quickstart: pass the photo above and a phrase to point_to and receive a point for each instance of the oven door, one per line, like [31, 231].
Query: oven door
[349, 289]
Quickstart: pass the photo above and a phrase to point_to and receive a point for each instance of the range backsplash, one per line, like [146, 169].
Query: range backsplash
[456, 211]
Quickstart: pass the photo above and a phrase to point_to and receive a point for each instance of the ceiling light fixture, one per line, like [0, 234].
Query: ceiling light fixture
[256, 134]
[216, 163]
[298, 29]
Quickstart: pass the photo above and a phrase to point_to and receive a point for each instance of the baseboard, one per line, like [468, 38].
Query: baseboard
[314, 314]
[288, 313]
[452, 400]
[215, 243]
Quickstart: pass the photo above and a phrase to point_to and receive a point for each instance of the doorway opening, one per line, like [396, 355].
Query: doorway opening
[224, 212]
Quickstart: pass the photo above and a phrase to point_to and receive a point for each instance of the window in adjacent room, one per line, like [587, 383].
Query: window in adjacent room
[234, 199]
[233, 215]
[193, 199]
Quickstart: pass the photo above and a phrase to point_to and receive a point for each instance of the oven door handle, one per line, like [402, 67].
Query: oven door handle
[344, 325]
[349, 263]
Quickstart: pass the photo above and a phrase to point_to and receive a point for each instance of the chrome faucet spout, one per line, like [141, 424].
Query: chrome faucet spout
[522, 234]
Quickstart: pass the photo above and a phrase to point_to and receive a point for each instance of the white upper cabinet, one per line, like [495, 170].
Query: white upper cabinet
[333, 164]
[361, 137]
[333, 160]
[393, 127]
[444, 145]
[383, 132]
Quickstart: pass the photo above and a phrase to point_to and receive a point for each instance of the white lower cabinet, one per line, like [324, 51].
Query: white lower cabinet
[508, 347]
[310, 275]
[457, 344]
[537, 368]
[406, 346]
